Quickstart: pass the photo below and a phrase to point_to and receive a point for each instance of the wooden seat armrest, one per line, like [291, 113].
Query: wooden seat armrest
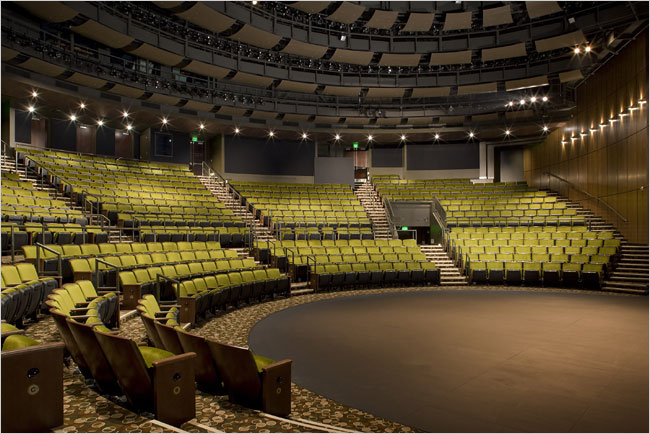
[277, 367]
[175, 360]
[35, 348]
[13, 332]
[82, 316]
[276, 388]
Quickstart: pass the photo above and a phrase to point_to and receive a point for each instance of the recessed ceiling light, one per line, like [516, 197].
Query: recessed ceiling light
[437, 136]
[587, 48]
[164, 121]
[129, 127]
[576, 50]
[507, 132]
[545, 129]
[522, 101]
[533, 99]
[545, 98]
[73, 118]
[125, 114]
[337, 137]
[370, 137]
[471, 134]
[271, 133]
[236, 130]
[82, 106]
[201, 126]
[100, 122]
[31, 109]
[34, 94]
[511, 103]
[403, 137]
[304, 136]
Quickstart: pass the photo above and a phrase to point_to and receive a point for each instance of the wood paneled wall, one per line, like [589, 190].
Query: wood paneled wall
[123, 144]
[39, 132]
[612, 163]
[86, 139]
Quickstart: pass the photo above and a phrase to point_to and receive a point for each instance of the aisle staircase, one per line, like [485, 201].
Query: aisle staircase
[450, 275]
[220, 191]
[630, 273]
[374, 208]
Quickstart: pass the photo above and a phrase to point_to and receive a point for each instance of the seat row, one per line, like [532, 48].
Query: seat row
[82, 302]
[577, 275]
[23, 292]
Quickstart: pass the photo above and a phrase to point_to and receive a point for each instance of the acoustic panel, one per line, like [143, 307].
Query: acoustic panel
[257, 37]
[457, 21]
[86, 80]
[382, 19]
[202, 68]
[341, 90]
[231, 111]
[442, 156]
[199, 106]
[506, 52]
[389, 121]
[268, 157]
[387, 157]
[485, 117]
[310, 7]
[163, 99]
[542, 8]
[385, 92]
[352, 56]
[562, 41]
[568, 76]
[54, 12]
[357, 121]
[526, 83]
[497, 16]
[291, 117]
[347, 13]
[131, 92]
[296, 86]
[100, 33]
[477, 88]
[327, 119]
[42, 67]
[451, 58]
[204, 16]
[426, 92]
[419, 121]
[304, 49]
[259, 114]
[156, 54]
[400, 59]
[419, 22]
[8, 54]
[251, 79]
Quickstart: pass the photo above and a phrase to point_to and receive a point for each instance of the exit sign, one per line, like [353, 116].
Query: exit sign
[195, 139]
[355, 145]
[405, 228]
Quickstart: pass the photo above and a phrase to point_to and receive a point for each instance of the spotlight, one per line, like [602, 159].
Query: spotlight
[304, 136]
[623, 114]
[237, 130]
[602, 125]
[522, 101]
[507, 132]
[337, 137]
[545, 99]
[471, 134]
[612, 120]
[511, 103]
[254, 2]
[632, 108]
[588, 49]
[576, 50]
[583, 134]
[82, 106]
[545, 129]
[437, 136]
[73, 118]
[271, 133]
[533, 99]
[201, 126]
[34, 94]
[100, 123]
[125, 114]
[642, 101]
[31, 109]
[129, 127]
[164, 121]
[403, 137]
[370, 137]
[593, 130]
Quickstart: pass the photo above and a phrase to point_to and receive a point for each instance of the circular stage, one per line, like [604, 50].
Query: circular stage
[473, 361]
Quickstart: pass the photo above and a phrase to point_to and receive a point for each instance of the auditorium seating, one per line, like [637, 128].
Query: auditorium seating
[483, 204]
[350, 263]
[23, 292]
[32, 385]
[133, 193]
[571, 256]
[306, 211]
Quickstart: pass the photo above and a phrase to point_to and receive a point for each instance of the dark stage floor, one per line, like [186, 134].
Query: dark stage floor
[473, 361]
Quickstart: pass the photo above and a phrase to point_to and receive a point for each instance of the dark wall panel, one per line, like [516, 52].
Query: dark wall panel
[86, 140]
[268, 157]
[23, 127]
[387, 157]
[123, 144]
[39, 132]
[180, 149]
[442, 157]
[63, 135]
[105, 141]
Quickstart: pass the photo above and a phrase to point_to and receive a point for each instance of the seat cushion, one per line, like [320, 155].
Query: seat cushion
[261, 361]
[102, 328]
[6, 327]
[151, 354]
[16, 342]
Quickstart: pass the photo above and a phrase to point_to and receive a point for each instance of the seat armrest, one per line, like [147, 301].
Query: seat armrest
[276, 388]
[174, 389]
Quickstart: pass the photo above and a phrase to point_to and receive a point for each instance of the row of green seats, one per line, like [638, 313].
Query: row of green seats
[588, 275]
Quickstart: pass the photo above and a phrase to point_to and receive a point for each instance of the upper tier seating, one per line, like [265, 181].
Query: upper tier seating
[317, 208]
[489, 204]
[132, 193]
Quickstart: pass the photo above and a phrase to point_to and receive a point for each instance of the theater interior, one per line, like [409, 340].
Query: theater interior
[324, 216]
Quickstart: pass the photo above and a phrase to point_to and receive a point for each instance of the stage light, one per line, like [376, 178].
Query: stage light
[522, 101]
[576, 50]
[533, 99]
[545, 99]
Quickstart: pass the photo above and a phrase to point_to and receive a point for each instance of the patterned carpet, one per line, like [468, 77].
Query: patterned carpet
[87, 411]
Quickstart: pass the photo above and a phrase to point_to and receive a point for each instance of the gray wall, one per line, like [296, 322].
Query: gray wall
[268, 157]
[387, 157]
[442, 156]
[334, 170]
[512, 164]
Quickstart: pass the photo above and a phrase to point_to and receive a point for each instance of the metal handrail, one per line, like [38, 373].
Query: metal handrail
[117, 276]
[591, 196]
[439, 212]
[389, 212]
[59, 257]
[160, 277]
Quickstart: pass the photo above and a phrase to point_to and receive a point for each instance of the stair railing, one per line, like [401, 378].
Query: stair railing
[162, 278]
[389, 212]
[586, 193]
[39, 265]
[117, 275]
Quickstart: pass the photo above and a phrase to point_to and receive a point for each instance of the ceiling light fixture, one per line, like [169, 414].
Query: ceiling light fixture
[511, 103]
[125, 114]
[271, 133]
[576, 50]
[587, 49]
[583, 134]
[129, 127]
[34, 94]
[403, 137]
[437, 136]
[73, 118]
[522, 101]
[201, 127]
[533, 99]
[164, 121]
[545, 99]
[623, 114]
[31, 109]
[545, 129]
[593, 130]
[471, 134]
[100, 123]
[82, 106]
[304, 136]
[370, 137]
[507, 132]
[337, 137]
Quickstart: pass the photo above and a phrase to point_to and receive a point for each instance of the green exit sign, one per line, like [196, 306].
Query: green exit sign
[195, 138]
[355, 145]
[405, 228]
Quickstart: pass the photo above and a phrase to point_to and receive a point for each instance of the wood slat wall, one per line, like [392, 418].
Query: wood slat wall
[612, 163]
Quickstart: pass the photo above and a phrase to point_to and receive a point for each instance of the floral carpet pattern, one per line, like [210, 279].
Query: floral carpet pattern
[85, 410]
